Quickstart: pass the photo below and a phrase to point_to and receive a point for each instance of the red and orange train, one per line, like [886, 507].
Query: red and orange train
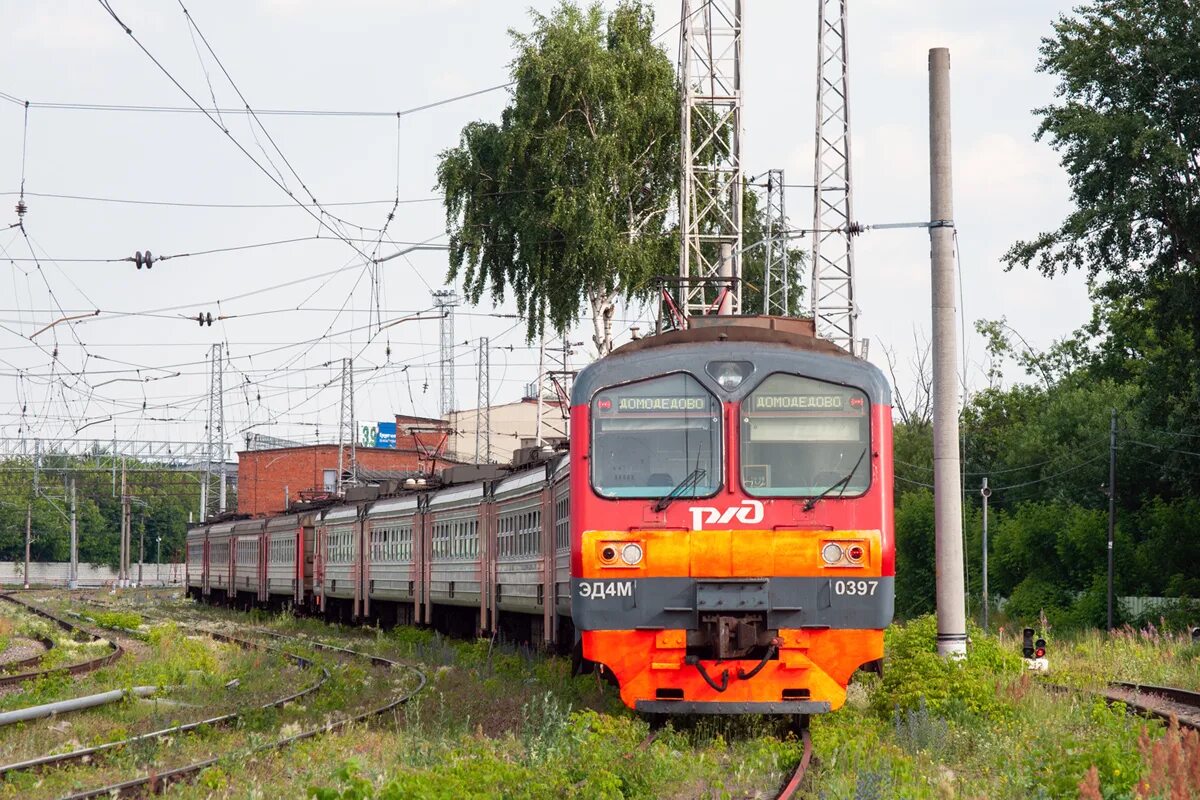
[718, 536]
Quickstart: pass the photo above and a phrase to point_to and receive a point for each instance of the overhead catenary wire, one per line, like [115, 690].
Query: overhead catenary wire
[319, 218]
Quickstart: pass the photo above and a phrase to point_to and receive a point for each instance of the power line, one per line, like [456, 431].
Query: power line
[284, 112]
[283, 187]
[1161, 447]
[186, 204]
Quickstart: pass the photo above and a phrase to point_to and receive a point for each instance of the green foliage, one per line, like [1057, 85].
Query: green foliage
[566, 198]
[914, 554]
[915, 676]
[126, 620]
[169, 495]
[1124, 124]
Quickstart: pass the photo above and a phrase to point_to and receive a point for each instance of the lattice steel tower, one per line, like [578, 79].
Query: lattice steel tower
[446, 300]
[214, 452]
[347, 433]
[778, 273]
[710, 192]
[834, 308]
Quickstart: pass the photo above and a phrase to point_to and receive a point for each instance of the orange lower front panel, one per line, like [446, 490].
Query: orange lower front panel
[819, 661]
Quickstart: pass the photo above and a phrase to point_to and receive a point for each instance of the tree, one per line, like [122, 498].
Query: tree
[566, 198]
[1127, 125]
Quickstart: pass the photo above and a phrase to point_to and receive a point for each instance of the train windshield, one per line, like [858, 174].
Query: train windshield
[650, 435]
[801, 436]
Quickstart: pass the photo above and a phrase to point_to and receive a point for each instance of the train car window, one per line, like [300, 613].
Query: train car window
[649, 436]
[801, 436]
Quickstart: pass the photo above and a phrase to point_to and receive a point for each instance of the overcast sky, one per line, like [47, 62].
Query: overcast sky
[286, 341]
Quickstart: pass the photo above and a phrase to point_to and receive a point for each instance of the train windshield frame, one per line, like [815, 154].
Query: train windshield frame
[649, 435]
[802, 436]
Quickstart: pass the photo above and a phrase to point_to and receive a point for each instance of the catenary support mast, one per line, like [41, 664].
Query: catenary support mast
[445, 301]
[833, 302]
[711, 185]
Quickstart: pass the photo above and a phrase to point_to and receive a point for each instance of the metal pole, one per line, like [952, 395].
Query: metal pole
[985, 492]
[1112, 508]
[28, 538]
[73, 574]
[725, 271]
[158, 563]
[141, 547]
[951, 592]
[122, 574]
[538, 383]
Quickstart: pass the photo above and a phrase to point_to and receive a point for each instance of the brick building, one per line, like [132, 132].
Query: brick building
[269, 479]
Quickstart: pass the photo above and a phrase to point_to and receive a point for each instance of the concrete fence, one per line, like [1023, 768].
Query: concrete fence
[54, 573]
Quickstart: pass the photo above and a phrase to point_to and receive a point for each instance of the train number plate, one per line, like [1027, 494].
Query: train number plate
[601, 589]
[855, 588]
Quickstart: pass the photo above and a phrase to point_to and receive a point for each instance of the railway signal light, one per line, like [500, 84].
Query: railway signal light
[1196, 634]
[1027, 649]
[1039, 648]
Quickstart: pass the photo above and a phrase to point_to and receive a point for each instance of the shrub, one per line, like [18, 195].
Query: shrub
[914, 674]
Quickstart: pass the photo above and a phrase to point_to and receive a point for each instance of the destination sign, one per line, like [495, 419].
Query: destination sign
[660, 404]
[807, 402]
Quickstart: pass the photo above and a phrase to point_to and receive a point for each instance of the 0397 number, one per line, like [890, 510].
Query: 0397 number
[855, 588]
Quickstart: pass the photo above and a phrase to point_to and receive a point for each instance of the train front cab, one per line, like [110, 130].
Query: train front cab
[706, 574]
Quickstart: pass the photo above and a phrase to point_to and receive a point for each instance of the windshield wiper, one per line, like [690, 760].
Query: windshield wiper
[842, 482]
[690, 482]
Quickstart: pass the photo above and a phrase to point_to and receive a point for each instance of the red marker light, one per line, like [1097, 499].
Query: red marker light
[855, 552]
[604, 404]
[856, 402]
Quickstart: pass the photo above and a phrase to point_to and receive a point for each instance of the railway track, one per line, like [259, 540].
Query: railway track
[789, 789]
[161, 778]
[81, 668]
[1164, 702]
[786, 792]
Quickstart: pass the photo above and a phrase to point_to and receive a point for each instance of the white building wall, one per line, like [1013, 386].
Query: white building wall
[511, 423]
[53, 573]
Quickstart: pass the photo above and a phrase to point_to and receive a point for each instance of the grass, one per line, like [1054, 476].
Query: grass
[501, 722]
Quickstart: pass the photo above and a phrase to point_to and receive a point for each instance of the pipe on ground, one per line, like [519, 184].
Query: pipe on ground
[74, 704]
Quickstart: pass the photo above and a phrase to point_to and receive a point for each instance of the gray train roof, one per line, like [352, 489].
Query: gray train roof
[769, 350]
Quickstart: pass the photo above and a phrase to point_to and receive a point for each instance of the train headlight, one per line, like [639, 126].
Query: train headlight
[729, 374]
[831, 553]
[631, 554]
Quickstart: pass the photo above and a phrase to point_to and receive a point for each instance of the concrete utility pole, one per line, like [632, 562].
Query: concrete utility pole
[947, 492]
[123, 570]
[985, 493]
[141, 546]
[538, 383]
[1112, 508]
[28, 538]
[73, 574]
[483, 405]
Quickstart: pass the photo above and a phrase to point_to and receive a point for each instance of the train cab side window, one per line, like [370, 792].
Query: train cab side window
[649, 436]
[801, 436]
